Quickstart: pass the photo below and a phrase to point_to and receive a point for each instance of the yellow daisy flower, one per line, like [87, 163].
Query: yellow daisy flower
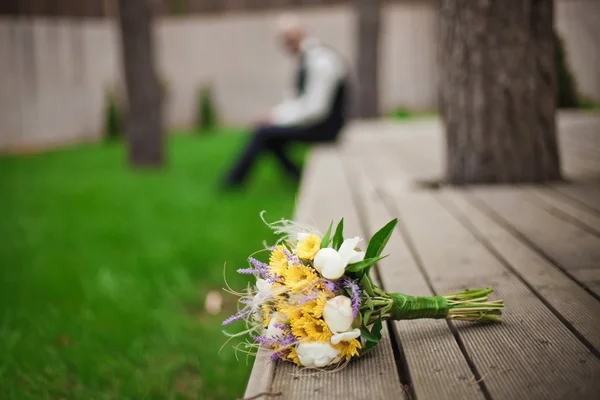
[348, 349]
[267, 310]
[294, 312]
[298, 277]
[278, 262]
[266, 320]
[314, 308]
[299, 329]
[317, 330]
[281, 304]
[293, 356]
[321, 301]
[307, 249]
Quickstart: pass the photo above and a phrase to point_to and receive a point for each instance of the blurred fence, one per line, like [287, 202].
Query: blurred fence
[58, 71]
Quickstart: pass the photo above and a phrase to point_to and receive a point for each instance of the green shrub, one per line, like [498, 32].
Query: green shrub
[567, 94]
[206, 118]
[401, 113]
[588, 103]
[114, 117]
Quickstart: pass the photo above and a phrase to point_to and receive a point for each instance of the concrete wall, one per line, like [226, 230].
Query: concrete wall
[56, 72]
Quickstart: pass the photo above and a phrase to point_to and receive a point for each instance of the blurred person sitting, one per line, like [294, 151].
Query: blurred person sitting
[316, 114]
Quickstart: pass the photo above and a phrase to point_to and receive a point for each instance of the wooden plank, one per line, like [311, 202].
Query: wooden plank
[261, 375]
[435, 362]
[574, 250]
[263, 370]
[412, 150]
[532, 354]
[587, 195]
[326, 197]
[564, 207]
[579, 310]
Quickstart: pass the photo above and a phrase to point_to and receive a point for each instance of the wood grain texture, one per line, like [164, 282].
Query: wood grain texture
[574, 250]
[532, 353]
[580, 310]
[564, 207]
[587, 195]
[261, 375]
[437, 367]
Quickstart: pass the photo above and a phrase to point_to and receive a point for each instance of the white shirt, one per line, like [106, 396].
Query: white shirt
[324, 70]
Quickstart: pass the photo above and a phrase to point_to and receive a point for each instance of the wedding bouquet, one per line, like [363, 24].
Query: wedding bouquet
[315, 304]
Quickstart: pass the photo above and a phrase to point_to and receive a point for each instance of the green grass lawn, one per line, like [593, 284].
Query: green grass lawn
[105, 270]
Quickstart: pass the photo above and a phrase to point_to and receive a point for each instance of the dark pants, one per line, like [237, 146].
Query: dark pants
[276, 139]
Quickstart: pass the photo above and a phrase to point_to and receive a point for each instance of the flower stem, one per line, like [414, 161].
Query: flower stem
[415, 307]
[469, 305]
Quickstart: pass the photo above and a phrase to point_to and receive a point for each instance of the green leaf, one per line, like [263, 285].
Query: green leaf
[366, 316]
[358, 266]
[364, 332]
[325, 240]
[338, 237]
[380, 239]
[376, 329]
[367, 286]
[369, 302]
[374, 335]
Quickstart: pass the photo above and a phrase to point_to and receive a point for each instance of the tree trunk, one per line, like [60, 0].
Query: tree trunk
[367, 63]
[498, 91]
[144, 111]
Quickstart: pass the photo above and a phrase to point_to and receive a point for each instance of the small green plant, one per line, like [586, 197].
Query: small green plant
[567, 94]
[401, 113]
[206, 117]
[114, 117]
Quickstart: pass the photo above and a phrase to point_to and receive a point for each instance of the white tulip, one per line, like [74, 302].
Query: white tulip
[332, 264]
[329, 263]
[265, 289]
[337, 314]
[345, 336]
[348, 253]
[317, 355]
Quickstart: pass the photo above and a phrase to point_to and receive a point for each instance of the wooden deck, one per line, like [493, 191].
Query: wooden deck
[538, 246]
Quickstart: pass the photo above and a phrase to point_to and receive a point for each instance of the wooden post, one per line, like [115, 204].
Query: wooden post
[498, 91]
[367, 62]
[144, 111]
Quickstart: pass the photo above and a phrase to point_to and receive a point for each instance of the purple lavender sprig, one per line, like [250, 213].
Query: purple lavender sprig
[287, 340]
[292, 259]
[283, 327]
[307, 298]
[258, 269]
[278, 355]
[283, 340]
[330, 286]
[355, 294]
[238, 316]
